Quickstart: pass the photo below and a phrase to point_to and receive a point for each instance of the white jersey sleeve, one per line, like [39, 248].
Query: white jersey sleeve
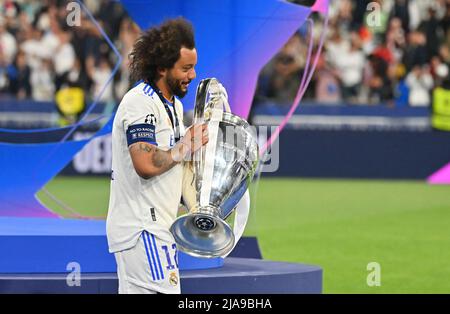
[139, 117]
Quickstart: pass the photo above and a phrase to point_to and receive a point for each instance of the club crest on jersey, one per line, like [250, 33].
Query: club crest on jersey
[150, 119]
[173, 279]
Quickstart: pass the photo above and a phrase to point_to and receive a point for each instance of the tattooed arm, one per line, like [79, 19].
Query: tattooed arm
[150, 161]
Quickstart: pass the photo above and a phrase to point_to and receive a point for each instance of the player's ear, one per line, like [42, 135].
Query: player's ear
[162, 72]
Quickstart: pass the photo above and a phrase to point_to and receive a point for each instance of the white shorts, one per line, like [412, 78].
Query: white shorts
[151, 266]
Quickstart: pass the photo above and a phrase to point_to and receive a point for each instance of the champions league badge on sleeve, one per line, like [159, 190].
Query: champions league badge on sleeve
[150, 119]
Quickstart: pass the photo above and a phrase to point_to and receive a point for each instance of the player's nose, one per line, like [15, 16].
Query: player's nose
[192, 74]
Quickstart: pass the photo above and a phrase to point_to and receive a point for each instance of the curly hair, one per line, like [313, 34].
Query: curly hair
[159, 48]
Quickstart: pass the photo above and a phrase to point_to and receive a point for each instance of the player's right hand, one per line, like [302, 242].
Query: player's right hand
[195, 137]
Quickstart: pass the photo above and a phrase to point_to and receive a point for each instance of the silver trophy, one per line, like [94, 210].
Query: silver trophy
[217, 177]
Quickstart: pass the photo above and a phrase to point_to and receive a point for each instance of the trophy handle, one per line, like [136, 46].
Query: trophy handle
[204, 103]
[201, 103]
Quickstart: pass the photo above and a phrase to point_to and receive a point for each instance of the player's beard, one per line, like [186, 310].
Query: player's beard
[175, 86]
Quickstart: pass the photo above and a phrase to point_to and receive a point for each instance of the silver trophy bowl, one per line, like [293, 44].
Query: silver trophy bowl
[217, 177]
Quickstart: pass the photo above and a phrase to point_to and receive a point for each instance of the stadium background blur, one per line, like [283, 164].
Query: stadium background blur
[395, 66]
[396, 59]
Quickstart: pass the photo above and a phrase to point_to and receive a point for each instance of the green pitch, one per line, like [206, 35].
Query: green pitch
[340, 225]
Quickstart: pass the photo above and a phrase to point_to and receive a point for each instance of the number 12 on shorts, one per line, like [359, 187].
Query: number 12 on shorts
[170, 265]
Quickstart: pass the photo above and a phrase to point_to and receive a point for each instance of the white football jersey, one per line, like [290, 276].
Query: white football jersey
[137, 204]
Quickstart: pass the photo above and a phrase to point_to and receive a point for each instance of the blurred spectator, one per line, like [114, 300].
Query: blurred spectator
[281, 77]
[358, 13]
[444, 53]
[284, 81]
[433, 32]
[76, 77]
[349, 64]
[64, 57]
[344, 15]
[110, 16]
[8, 45]
[33, 47]
[439, 70]
[420, 84]
[327, 87]
[396, 39]
[128, 34]
[100, 74]
[377, 80]
[402, 11]
[336, 44]
[440, 118]
[20, 77]
[416, 52]
[43, 81]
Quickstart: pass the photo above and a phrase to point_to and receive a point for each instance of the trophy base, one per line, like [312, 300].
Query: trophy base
[203, 235]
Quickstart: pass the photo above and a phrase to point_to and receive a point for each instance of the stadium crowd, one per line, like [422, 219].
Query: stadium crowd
[383, 51]
[393, 52]
[44, 49]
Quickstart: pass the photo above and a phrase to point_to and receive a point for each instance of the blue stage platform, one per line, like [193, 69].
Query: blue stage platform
[37, 254]
[236, 276]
